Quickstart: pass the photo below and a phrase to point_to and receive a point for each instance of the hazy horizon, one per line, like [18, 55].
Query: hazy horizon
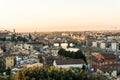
[59, 15]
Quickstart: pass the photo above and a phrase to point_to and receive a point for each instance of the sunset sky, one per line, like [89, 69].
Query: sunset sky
[59, 15]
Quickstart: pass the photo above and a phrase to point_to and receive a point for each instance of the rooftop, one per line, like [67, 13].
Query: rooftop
[70, 61]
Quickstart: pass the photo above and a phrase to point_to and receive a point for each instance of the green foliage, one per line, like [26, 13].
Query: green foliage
[8, 71]
[13, 39]
[53, 73]
[19, 38]
[2, 66]
[74, 55]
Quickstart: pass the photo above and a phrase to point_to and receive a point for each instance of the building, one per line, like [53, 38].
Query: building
[34, 65]
[105, 63]
[55, 51]
[114, 46]
[56, 44]
[10, 62]
[113, 36]
[72, 63]
[72, 49]
[103, 45]
[94, 44]
[5, 35]
[36, 45]
[64, 45]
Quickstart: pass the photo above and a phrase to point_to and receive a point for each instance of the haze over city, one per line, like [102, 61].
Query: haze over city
[59, 39]
[59, 15]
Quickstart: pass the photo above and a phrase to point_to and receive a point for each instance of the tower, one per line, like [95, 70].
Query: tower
[14, 30]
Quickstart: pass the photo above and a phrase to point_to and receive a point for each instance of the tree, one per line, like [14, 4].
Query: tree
[61, 52]
[8, 71]
[2, 66]
[81, 55]
[84, 67]
[74, 55]
[13, 39]
[20, 38]
[53, 73]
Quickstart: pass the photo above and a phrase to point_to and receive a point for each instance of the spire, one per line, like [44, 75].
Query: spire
[14, 30]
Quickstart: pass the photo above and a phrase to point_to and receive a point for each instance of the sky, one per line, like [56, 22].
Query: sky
[59, 15]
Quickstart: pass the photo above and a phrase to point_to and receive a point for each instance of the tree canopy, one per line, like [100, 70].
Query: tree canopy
[74, 55]
[2, 66]
[54, 73]
[8, 71]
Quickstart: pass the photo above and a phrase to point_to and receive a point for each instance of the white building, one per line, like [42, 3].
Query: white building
[72, 49]
[113, 73]
[56, 44]
[27, 46]
[114, 46]
[72, 63]
[113, 36]
[103, 45]
[64, 45]
[94, 44]
[71, 44]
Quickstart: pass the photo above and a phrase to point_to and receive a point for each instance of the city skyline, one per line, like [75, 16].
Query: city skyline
[59, 15]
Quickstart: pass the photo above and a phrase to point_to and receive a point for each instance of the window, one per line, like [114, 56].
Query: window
[106, 62]
[111, 67]
[110, 62]
[118, 62]
[103, 63]
[100, 64]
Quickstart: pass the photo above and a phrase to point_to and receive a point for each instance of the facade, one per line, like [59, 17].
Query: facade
[5, 35]
[56, 44]
[10, 62]
[114, 46]
[64, 45]
[72, 49]
[8, 45]
[1, 51]
[94, 44]
[27, 46]
[105, 62]
[103, 45]
[34, 65]
[8, 37]
[36, 45]
[55, 52]
[72, 63]
[113, 36]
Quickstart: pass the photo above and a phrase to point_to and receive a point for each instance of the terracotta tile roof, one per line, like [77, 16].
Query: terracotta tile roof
[105, 56]
[99, 56]
[107, 69]
[108, 56]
